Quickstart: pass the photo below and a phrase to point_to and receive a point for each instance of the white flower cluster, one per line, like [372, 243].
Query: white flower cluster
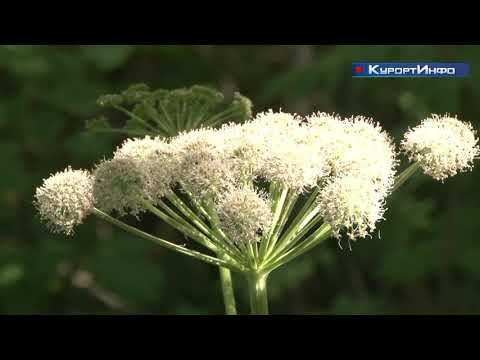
[245, 214]
[65, 199]
[442, 145]
[284, 153]
[352, 162]
[351, 203]
[360, 159]
[200, 166]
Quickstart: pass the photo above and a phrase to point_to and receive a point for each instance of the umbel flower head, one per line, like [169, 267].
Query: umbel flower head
[357, 146]
[140, 148]
[245, 214]
[360, 159]
[286, 155]
[119, 184]
[153, 159]
[200, 166]
[65, 199]
[442, 145]
[351, 203]
[220, 168]
[351, 162]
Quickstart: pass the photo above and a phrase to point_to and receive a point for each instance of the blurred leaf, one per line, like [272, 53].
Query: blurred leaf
[168, 112]
[107, 57]
[139, 281]
[10, 274]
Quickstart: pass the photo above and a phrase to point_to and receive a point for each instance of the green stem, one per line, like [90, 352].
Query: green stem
[227, 290]
[242, 250]
[400, 179]
[200, 209]
[315, 221]
[287, 209]
[225, 275]
[279, 198]
[170, 122]
[179, 224]
[214, 120]
[216, 238]
[324, 231]
[308, 211]
[180, 205]
[257, 289]
[321, 234]
[167, 244]
[136, 117]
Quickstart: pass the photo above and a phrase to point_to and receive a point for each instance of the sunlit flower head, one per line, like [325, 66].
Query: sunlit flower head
[442, 145]
[352, 204]
[283, 152]
[154, 159]
[65, 199]
[245, 214]
[243, 149]
[356, 146]
[139, 148]
[201, 167]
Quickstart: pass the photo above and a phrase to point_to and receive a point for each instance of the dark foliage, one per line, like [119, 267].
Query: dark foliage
[426, 259]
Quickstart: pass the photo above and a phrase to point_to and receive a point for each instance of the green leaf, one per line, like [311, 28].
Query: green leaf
[98, 124]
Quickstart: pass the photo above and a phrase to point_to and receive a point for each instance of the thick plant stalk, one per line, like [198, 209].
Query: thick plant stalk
[257, 289]
[225, 274]
[227, 291]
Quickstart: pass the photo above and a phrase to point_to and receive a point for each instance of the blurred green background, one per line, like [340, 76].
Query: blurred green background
[426, 259]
